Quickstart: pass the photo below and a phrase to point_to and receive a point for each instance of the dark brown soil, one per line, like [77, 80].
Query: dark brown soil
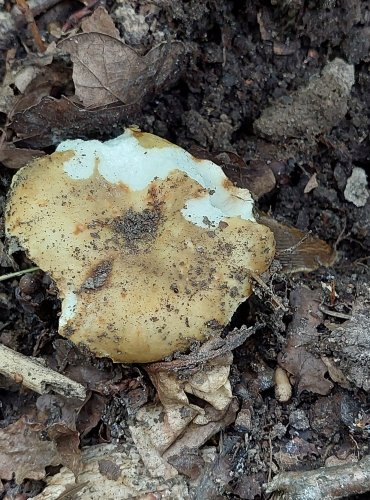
[242, 56]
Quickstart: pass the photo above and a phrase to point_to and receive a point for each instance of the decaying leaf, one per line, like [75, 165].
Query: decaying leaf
[308, 370]
[350, 343]
[100, 22]
[209, 383]
[24, 452]
[293, 452]
[256, 176]
[15, 158]
[49, 80]
[52, 120]
[112, 471]
[7, 99]
[160, 434]
[105, 70]
[298, 251]
[60, 416]
[170, 428]
[213, 348]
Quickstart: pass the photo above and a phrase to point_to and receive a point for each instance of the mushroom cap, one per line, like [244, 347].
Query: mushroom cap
[150, 247]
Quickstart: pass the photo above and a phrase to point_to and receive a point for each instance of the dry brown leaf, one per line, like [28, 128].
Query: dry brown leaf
[100, 22]
[256, 176]
[209, 383]
[60, 415]
[197, 435]
[160, 434]
[213, 348]
[24, 452]
[105, 70]
[298, 251]
[50, 121]
[48, 80]
[164, 430]
[308, 370]
[15, 158]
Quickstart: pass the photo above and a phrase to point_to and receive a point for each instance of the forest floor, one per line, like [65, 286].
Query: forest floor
[277, 93]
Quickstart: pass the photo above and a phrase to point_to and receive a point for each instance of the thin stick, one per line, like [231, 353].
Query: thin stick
[27, 12]
[33, 375]
[262, 284]
[335, 314]
[18, 273]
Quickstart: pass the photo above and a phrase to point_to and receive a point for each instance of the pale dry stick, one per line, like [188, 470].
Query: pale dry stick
[33, 375]
[335, 314]
[327, 482]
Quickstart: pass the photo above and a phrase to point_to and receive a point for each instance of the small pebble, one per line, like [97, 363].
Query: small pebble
[356, 190]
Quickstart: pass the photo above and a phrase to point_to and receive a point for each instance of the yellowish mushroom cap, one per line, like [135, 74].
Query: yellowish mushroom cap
[150, 247]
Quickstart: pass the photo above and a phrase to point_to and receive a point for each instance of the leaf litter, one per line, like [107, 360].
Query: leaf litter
[43, 105]
[111, 84]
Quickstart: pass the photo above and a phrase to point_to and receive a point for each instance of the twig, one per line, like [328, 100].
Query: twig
[211, 349]
[270, 459]
[335, 314]
[27, 12]
[18, 273]
[327, 482]
[30, 373]
[262, 284]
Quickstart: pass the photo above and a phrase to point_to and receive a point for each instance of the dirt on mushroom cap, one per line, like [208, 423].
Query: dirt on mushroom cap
[139, 279]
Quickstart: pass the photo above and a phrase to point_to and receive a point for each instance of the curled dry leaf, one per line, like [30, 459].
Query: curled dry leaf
[209, 383]
[23, 452]
[170, 428]
[298, 251]
[214, 347]
[52, 120]
[100, 22]
[256, 176]
[161, 434]
[105, 70]
[60, 417]
[295, 358]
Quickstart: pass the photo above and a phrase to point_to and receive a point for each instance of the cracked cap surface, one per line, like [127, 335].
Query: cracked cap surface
[150, 247]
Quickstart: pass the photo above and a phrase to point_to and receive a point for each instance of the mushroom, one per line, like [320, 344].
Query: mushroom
[151, 248]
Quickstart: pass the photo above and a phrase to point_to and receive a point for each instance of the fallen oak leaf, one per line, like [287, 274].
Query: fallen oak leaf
[106, 70]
